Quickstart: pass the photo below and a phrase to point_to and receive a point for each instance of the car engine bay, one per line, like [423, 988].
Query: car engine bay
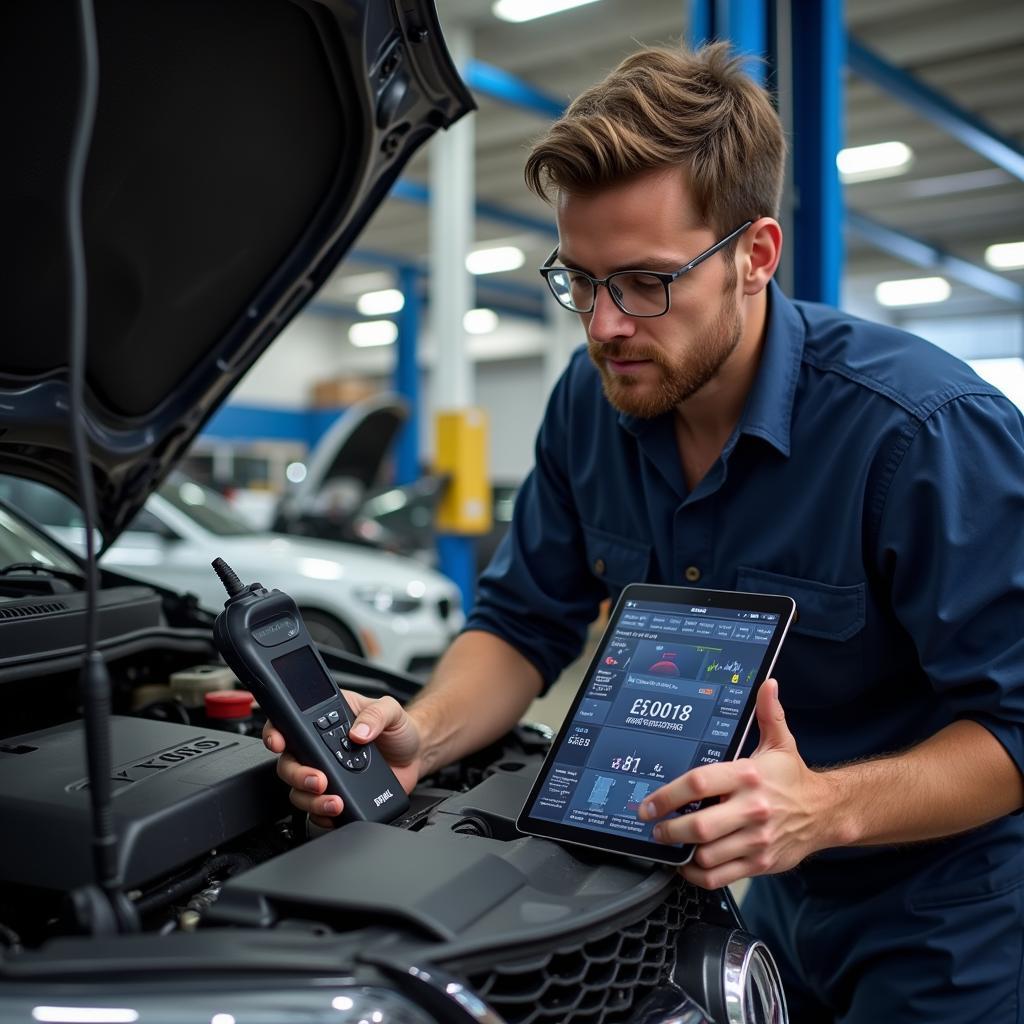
[209, 845]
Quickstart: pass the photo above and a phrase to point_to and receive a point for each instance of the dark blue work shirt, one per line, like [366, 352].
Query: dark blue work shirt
[873, 478]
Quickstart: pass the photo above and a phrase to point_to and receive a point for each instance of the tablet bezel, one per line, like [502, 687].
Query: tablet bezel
[733, 600]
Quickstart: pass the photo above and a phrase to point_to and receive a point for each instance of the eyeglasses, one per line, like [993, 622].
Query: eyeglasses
[635, 292]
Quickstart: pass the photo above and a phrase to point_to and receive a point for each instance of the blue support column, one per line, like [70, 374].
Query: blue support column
[457, 558]
[700, 22]
[817, 86]
[743, 23]
[407, 378]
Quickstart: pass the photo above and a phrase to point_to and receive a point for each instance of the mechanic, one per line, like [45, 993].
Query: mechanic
[713, 430]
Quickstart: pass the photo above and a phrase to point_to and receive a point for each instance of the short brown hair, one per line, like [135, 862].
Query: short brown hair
[663, 107]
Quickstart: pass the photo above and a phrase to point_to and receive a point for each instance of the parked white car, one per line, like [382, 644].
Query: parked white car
[392, 610]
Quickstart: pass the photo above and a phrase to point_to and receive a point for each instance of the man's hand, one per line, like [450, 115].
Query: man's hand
[384, 721]
[771, 812]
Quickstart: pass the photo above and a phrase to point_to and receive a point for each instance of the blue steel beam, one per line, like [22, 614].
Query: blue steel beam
[507, 88]
[383, 259]
[411, 191]
[503, 215]
[931, 104]
[485, 294]
[416, 192]
[923, 254]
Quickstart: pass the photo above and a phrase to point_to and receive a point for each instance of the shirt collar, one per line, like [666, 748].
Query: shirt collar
[769, 409]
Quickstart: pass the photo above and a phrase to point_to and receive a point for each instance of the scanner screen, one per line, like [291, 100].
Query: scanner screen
[304, 678]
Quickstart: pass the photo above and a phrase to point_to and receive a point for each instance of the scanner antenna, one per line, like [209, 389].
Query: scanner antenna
[232, 584]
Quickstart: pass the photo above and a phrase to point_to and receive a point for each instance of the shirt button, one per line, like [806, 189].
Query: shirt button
[692, 573]
[599, 566]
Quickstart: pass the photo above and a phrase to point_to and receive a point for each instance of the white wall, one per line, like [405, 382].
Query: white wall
[514, 396]
[510, 382]
[310, 349]
[977, 337]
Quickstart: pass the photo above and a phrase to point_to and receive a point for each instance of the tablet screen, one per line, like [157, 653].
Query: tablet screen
[671, 687]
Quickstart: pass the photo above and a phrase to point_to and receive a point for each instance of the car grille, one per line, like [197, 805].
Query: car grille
[26, 611]
[598, 980]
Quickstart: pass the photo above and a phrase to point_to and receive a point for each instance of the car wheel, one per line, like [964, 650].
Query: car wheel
[327, 630]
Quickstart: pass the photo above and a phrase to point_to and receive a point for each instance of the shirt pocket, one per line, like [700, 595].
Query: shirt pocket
[614, 560]
[821, 662]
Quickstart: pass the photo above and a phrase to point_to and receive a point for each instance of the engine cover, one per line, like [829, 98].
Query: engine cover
[178, 791]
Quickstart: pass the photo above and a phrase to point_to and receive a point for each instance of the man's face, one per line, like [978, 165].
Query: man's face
[651, 365]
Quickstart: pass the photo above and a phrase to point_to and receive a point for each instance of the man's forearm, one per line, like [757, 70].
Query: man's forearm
[480, 689]
[960, 778]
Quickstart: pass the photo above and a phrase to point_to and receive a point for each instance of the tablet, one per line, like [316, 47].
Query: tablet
[672, 686]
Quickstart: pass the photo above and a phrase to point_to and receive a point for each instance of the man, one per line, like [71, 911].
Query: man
[722, 434]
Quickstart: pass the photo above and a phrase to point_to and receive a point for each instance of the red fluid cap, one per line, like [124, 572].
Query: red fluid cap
[229, 704]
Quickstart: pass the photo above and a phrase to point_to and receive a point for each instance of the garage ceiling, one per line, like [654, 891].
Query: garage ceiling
[952, 197]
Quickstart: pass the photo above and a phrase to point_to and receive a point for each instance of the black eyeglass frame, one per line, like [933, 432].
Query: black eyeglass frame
[666, 278]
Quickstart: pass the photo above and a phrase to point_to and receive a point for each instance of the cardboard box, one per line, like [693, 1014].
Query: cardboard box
[340, 391]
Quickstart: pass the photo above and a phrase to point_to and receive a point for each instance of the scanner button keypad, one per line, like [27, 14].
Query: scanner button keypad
[333, 717]
[334, 737]
[345, 752]
[322, 723]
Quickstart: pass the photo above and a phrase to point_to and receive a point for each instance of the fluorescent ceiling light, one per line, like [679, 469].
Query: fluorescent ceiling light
[480, 321]
[371, 333]
[84, 1014]
[913, 291]
[493, 261]
[390, 300]
[881, 160]
[1005, 256]
[527, 10]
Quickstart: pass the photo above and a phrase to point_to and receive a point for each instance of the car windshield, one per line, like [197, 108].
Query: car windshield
[20, 543]
[206, 507]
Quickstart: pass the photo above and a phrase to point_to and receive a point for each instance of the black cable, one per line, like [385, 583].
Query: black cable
[85, 119]
[95, 682]
[227, 863]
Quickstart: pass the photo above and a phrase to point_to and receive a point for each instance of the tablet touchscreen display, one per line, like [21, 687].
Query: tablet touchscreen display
[671, 687]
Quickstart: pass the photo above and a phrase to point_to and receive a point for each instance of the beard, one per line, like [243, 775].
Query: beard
[681, 375]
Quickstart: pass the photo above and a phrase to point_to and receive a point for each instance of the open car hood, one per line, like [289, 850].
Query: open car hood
[354, 449]
[239, 148]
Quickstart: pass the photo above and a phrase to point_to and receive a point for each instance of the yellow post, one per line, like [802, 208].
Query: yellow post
[461, 447]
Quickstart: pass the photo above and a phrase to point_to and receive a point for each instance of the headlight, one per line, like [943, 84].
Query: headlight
[731, 974]
[388, 599]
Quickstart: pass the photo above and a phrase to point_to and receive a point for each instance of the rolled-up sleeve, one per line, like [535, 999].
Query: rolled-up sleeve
[951, 544]
[537, 593]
